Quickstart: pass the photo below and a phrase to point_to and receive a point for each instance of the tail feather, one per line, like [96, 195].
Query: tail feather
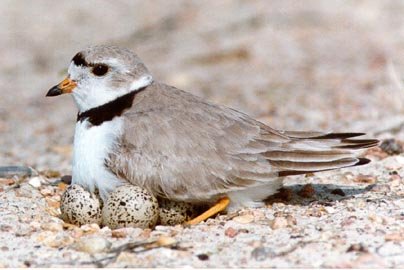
[357, 144]
[309, 152]
[359, 162]
[321, 135]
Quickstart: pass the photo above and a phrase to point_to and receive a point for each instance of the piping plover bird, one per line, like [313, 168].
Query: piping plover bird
[131, 128]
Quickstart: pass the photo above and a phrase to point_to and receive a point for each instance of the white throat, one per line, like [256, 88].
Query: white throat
[98, 93]
[92, 145]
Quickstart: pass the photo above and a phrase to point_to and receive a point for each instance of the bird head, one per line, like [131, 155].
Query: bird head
[100, 74]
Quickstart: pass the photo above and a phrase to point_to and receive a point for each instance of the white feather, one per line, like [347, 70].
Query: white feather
[91, 146]
[253, 197]
[91, 92]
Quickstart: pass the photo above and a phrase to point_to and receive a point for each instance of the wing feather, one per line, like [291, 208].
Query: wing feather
[181, 147]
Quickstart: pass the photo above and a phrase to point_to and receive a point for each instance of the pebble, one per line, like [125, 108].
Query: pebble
[291, 220]
[357, 248]
[51, 174]
[165, 241]
[35, 182]
[391, 147]
[338, 191]
[7, 181]
[230, 232]
[54, 239]
[119, 233]
[390, 249]
[329, 209]
[130, 206]
[52, 226]
[365, 179]
[396, 236]
[244, 219]
[93, 245]
[279, 222]
[90, 228]
[262, 253]
[375, 218]
[307, 191]
[67, 179]
[47, 191]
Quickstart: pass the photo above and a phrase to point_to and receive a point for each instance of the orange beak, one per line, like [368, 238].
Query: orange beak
[65, 87]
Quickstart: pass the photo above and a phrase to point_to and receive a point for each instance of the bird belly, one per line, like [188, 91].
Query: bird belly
[92, 145]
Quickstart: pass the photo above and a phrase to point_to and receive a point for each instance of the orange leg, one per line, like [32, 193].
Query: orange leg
[217, 208]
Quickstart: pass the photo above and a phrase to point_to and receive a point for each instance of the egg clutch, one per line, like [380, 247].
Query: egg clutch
[126, 206]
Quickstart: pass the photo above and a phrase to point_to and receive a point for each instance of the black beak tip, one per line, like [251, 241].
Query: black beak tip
[54, 91]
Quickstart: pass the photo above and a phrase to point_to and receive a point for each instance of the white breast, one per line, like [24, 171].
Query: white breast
[91, 146]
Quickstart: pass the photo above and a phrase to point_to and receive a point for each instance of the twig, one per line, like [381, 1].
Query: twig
[135, 247]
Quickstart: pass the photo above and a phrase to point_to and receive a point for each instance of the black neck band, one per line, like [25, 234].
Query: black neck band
[96, 116]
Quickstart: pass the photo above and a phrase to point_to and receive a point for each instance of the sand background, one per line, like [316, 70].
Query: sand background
[296, 65]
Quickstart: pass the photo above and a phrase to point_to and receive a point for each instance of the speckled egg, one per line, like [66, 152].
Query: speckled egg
[172, 212]
[130, 206]
[78, 206]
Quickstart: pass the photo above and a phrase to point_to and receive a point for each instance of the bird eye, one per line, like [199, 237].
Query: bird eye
[100, 69]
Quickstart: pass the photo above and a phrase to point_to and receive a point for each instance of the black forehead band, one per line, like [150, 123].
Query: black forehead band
[79, 60]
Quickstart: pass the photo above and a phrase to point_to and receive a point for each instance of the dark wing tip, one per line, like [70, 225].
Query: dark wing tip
[362, 161]
[357, 144]
[345, 135]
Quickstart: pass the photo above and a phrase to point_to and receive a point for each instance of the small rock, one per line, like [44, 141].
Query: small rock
[395, 236]
[35, 225]
[23, 231]
[52, 226]
[127, 258]
[90, 228]
[92, 245]
[390, 249]
[329, 209]
[375, 218]
[365, 179]
[165, 241]
[51, 174]
[244, 219]
[338, 191]
[391, 147]
[230, 232]
[35, 181]
[291, 220]
[279, 222]
[54, 240]
[67, 179]
[383, 188]
[5, 228]
[262, 253]
[357, 248]
[307, 191]
[283, 194]
[348, 221]
[7, 181]
[119, 233]
[47, 191]
[203, 257]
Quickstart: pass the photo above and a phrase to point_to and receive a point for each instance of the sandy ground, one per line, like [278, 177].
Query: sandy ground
[329, 65]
